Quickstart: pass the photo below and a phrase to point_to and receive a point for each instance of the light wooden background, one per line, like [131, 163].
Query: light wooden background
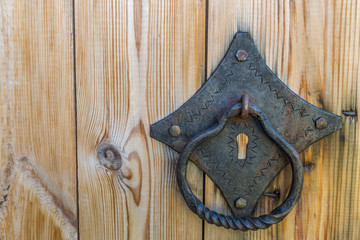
[75, 74]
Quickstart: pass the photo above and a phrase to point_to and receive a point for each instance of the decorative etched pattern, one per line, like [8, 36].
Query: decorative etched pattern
[288, 104]
[250, 148]
[218, 167]
[207, 101]
[261, 174]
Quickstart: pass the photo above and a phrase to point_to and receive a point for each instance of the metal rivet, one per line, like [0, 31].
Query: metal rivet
[109, 156]
[241, 55]
[175, 130]
[240, 203]
[321, 123]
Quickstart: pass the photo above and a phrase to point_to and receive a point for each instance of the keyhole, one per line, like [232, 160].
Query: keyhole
[242, 140]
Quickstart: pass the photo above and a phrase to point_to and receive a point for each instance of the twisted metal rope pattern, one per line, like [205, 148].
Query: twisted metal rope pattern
[226, 221]
[243, 224]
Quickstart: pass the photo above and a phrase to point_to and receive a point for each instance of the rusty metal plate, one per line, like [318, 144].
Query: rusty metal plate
[241, 71]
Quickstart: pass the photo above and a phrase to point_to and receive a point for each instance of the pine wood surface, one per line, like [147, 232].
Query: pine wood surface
[313, 46]
[37, 121]
[136, 61]
[133, 63]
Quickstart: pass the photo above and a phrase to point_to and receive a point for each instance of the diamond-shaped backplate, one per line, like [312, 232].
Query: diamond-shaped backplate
[290, 115]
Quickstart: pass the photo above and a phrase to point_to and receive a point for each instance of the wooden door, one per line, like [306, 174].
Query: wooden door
[75, 75]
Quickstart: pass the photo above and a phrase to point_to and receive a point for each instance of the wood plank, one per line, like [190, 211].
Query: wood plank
[37, 123]
[313, 46]
[137, 61]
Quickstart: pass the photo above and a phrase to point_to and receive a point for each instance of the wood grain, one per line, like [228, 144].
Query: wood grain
[136, 62]
[313, 46]
[37, 122]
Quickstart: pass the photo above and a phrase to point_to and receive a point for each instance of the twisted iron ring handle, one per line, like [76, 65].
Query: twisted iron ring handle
[244, 223]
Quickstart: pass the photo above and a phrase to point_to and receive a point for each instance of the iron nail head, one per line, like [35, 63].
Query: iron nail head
[321, 123]
[240, 203]
[241, 55]
[174, 130]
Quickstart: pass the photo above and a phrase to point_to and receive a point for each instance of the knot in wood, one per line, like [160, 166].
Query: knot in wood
[109, 156]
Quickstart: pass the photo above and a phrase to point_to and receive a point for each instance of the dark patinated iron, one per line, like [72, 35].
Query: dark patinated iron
[242, 77]
[349, 113]
[211, 135]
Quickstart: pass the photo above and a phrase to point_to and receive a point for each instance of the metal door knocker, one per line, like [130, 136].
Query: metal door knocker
[243, 96]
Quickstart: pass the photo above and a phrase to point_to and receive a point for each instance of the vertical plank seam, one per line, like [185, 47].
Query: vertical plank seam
[206, 77]
[75, 122]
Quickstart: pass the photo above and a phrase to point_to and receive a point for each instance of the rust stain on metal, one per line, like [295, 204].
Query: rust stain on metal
[245, 106]
[321, 123]
[241, 55]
